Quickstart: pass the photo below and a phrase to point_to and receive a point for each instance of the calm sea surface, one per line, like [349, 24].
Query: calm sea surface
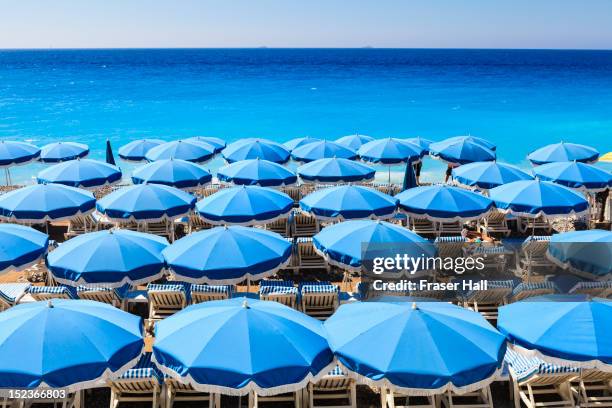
[519, 99]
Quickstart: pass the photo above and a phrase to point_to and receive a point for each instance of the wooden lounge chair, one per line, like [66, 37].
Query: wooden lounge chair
[450, 247]
[165, 299]
[475, 399]
[280, 291]
[293, 192]
[526, 290]
[595, 289]
[11, 294]
[52, 292]
[335, 386]
[487, 302]
[196, 223]
[163, 228]
[128, 225]
[423, 226]
[533, 255]
[304, 225]
[538, 384]
[495, 223]
[103, 294]
[390, 399]
[180, 392]
[319, 299]
[281, 226]
[593, 388]
[206, 293]
[81, 224]
[526, 225]
[450, 228]
[290, 397]
[142, 383]
[307, 257]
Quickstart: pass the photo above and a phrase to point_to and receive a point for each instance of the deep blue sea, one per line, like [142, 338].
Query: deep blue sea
[519, 99]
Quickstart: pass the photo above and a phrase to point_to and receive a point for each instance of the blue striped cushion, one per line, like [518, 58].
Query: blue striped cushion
[10, 292]
[336, 372]
[144, 369]
[318, 287]
[278, 290]
[167, 287]
[54, 290]
[525, 287]
[275, 282]
[454, 238]
[537, 238]
[592, 285]
[489, 250]
[226, 289]
[525, 367]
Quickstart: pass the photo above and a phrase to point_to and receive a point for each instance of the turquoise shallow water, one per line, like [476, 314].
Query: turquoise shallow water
[518, 99]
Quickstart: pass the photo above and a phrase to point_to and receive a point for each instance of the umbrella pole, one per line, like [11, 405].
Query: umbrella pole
[389, 174]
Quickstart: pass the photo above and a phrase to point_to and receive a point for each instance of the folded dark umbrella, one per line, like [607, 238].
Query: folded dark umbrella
[110, 159]
[409, 177]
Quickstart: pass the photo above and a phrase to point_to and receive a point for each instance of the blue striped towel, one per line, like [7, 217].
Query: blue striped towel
[526, 287]
[278, 290]
[446, 240]
[275, 282]
[537, 238]
[167, 287]
[318, 287]
[12, 292]
[489, 250]
[591, 285]
[119, 292]
[524, 367]
[225, 289]
[54, 290]
[144, 369]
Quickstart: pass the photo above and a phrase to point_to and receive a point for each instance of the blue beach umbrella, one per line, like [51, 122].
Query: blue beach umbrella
[256, 172]
[345, 243]
[583, 251]
[16, 153]
[562, 329]
[111, 258]
[534, 198]
[67, 344]
[323, 149]
[244, 205]
[84, 173]
[20, 247]
[244, 346]
[227, 255]
[487, 175]
[136, 150]
[300, 141]
[576, 175]
[421, 142]
[335, 170]
[62, 151]
[443, 203]
[263, 149]
[349, 202]
[354, 142]
[45, 202]
[172, 172]
[218, 143]
[390, 151]
[146, 202]
[422, 348]
[473, 139]
[561, 152]
[461, 150]
[188, 149]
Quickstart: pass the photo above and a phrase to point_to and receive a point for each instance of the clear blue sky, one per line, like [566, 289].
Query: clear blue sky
[306, 23]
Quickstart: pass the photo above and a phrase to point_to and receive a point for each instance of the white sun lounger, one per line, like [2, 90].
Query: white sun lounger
[423, 226]
[319, 299]
[593, 388]
[103, 294]
[391, 399]
[52, 292]
[334, 386]
[533, 254]
[206, 293]
[304, 225]
[307, 257]
[526, 290]
[476, 399]
[282, 291]
[526, 225]
[495, 223]
[487, 302]
[177, 391]
[11, 293]
[142, 383]
[165, 299]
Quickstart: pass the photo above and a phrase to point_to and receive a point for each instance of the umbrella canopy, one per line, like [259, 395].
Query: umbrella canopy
[349, 202]
[256, 172]
[461, 150]
[335, 170]
[227, 255]
[354, 142]
[146, 202]
[537, 198]
[20, 246]
[244, 205]
[45, 202]
[323, 149]
[583, 251]
[136, 150]
[562, 329]
[128, 257]
[69, 344]
[83, 173]
[390, 151]
[62, 151]
[420, 348]
[342, 244]
[16, 153]
[474, 139]
[219, 144]
[299, 141]
[575, 175]
[244, 346]
[188, 149]
[172, 172]
[263, 149]
[487, 175]
[561, 152]
[443, 203]
[421, 142]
